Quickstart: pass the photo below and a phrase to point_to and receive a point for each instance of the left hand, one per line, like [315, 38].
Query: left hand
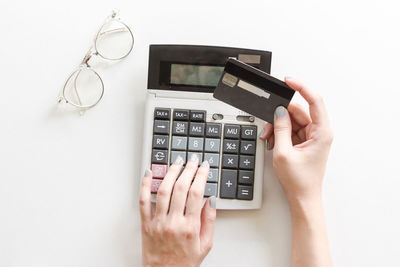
[180, 232]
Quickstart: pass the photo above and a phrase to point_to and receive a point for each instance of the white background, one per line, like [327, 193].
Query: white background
[69, 184]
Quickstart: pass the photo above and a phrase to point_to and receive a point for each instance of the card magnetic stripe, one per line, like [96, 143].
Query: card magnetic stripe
[258, 78]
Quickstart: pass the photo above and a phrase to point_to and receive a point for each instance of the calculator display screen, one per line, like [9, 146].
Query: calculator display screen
[197, 75]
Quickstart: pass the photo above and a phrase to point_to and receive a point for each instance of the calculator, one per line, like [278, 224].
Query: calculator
[182, 118]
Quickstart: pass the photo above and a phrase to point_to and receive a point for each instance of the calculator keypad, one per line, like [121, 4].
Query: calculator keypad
[229, 149]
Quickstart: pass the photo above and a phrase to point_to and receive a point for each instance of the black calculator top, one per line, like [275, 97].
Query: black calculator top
[197, 68]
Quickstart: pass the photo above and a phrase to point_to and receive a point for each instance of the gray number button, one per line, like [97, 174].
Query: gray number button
[213, 175]
[210, 189]
[213, 159]
[175, 154]
[179, 142]
[212, 145]
[199, 156]
[195, 144]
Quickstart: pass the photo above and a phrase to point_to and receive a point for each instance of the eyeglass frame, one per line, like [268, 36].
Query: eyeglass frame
[93, 51]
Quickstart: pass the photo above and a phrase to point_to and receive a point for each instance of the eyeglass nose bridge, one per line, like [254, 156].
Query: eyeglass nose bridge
[87, 57]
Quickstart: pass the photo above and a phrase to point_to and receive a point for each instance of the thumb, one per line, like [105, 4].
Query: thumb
[282, 130]
[208, 215]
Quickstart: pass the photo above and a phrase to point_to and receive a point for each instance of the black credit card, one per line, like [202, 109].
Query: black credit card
[252, 90]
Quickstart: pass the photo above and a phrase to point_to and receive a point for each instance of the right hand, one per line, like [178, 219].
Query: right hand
[301, 142]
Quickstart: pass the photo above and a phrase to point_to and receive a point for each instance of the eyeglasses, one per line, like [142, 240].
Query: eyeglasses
[84, 88]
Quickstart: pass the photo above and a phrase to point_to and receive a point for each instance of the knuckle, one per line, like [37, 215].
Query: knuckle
[180, 187]
[143, 201]
[280, 157]
[280, 128]
[169, 230]
[188, 232]
[162, 192]
[196, 193]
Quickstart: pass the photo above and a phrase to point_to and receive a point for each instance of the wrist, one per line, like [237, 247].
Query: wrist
[306, 207]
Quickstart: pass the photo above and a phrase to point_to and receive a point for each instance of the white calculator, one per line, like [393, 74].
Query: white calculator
[181, 117]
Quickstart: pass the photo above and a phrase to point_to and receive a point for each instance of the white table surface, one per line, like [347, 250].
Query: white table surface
[69, 184]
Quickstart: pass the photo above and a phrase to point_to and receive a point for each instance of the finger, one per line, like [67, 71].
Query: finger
[282, 130]
[145, 197]
[299, 115]
[267, 131]
[208, 216]
[317, 107]
[271, 142]
[196, 192]
[165, 190]
[182, 185]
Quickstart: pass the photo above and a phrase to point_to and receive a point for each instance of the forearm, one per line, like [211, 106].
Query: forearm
[310, 246]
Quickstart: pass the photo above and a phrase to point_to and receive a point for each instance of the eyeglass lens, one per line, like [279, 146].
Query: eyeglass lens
[114, 40]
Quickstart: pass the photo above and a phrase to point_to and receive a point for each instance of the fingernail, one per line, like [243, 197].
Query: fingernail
[268, 146]
[280, 112]
[194, 157]
[178, 160]
[213, 202]
[261, 133]
[205, 164]
[147, 172]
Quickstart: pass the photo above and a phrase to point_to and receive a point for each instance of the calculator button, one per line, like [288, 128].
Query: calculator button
[199, 156]
[197, 115]
[180, 128]
[212, 145]
[228, 184]
[213, 130]
[161, 127]
[196, 129]
[158, 170]
[232, 131]
[229, 161]
[155, 184]
[247, 147]
[175, 154]
[249, 132]
[231, 146]
[181, 115]
[213, 175]
[196, 144]
[161, 141]
[162, 113]
[179, 143]
[159, 156]
[245, 192]
[210, 189]
[246, 162]
[246, 177]
[213, 159]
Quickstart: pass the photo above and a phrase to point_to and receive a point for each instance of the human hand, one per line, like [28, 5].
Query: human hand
[301, 142]
[180, 232]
